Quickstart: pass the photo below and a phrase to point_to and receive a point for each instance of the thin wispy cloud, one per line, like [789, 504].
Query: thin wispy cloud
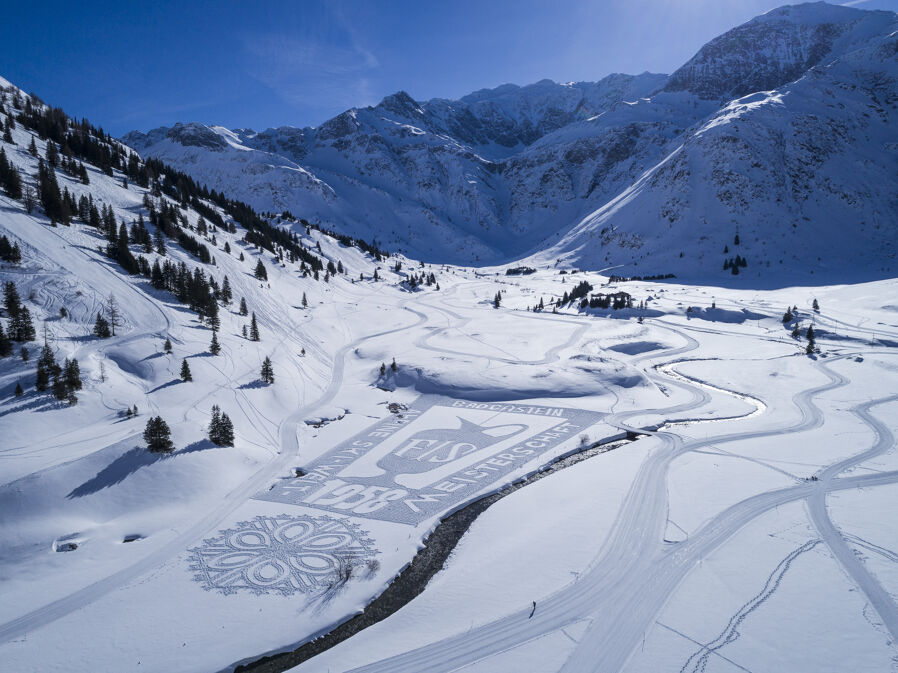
[335, 72]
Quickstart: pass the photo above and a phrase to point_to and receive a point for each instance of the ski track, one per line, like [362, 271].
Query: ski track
[634, 574]
[289, 447]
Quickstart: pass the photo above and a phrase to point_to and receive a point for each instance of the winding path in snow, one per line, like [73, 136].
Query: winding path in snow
[634, 574]
[289, 447]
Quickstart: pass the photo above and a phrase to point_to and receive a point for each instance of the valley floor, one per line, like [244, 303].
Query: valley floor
[751, 527]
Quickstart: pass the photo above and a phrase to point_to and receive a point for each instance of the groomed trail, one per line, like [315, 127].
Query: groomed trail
[288, 451]
[636, 572]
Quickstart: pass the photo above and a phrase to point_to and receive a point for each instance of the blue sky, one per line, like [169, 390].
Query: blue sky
[138, 65]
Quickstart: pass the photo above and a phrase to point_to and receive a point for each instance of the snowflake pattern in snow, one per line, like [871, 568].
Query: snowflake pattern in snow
[280, 554]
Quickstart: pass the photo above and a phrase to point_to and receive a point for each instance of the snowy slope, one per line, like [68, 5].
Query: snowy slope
[763, 497]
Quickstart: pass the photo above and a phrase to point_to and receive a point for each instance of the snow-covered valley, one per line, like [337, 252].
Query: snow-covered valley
[697, 472]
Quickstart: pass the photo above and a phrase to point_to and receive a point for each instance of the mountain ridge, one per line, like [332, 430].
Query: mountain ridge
[505, 172]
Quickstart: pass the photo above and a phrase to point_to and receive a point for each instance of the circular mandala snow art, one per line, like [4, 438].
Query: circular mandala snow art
[282, 554]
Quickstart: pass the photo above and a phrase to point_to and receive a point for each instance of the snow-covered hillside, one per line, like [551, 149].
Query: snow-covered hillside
[505, 172]
[688, 479]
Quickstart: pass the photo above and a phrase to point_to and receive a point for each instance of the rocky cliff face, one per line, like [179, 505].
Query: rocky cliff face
[503, 172]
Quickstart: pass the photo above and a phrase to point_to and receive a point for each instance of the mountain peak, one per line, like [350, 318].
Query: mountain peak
[774, 48]
[401, 103]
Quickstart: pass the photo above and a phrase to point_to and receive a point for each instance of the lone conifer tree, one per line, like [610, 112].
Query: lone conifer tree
[267, 374]
[305, 302]
[215, 347]
[243, 309]
[114, 313]
[253, 329]
[260, 272]
[185, 371]
[157, 435]
[167, 345]
[816, 305]
[19, 392]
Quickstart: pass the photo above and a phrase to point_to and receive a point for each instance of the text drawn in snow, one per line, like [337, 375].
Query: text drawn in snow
[437, 454]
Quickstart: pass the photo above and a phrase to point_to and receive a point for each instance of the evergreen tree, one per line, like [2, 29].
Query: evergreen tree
[50, 196]
[816, 305]
[226, 292]
[243, 308]
[393, 366]
[167, 345]
[212, 315]
[5, 343]
[260, 273]
[24, 353]
[32, 148]
[253, 328]
[72, 374]
[101, 327]
[221, 429]
[788, 316]
[185, 371]
[21, 326]
[47, 369]
[497, 300]
[19, 392]
[243, 328]
[60, 391]
[114, 313]
[267, 374]
[215, 347]
[159, 240]
[157, 435]
[305, 302]
[383, 369]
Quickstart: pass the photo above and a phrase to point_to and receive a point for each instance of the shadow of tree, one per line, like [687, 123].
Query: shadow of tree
[117, 471]
[201, 445]
[253, 384]
[130, 462]
[171, 383]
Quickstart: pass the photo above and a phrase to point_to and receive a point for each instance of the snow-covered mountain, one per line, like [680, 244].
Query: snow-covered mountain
[806, 173]
[781, 126]
[422, 177]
